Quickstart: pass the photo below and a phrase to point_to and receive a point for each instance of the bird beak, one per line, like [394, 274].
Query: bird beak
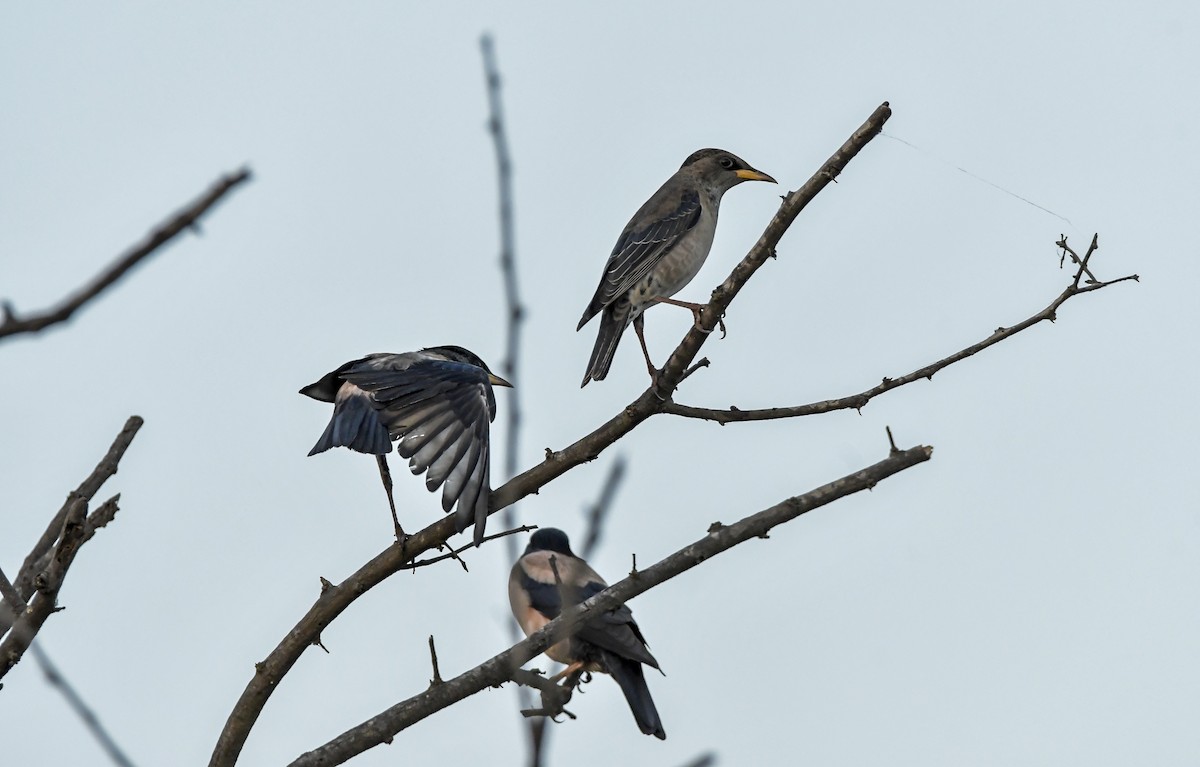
[496, 380]
[750, 174]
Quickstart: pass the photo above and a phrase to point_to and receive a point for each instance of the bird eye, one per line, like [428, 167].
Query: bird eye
[727, 162]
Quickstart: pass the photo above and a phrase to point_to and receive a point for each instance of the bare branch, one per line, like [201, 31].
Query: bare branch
[39, 557]
[56, 680]
[332, 602]
[515, 316]
[508, 268]
[599, 510]
[384, 726]
[14, 603]
[47, 583]
[11, 324]
[1066, 250]
[858, 401]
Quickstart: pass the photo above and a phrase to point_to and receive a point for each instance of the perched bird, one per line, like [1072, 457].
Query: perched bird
[437, 402]
[661, 250]
[610, 642]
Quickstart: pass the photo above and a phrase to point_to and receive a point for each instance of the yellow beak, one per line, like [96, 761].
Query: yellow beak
[750, 174]
[496, 380]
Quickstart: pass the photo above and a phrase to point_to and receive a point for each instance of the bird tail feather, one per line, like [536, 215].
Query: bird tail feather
[355, 424]
[632, 680]
[612, 325]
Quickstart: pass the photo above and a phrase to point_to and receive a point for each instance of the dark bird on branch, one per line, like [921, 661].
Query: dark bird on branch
[437, 402]
[660, 251]
[548, 576]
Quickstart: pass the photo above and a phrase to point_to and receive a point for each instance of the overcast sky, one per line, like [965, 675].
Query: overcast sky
[1027, 597]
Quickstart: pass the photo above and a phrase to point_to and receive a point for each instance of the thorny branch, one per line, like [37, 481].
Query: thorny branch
[331, 603]
[504, 667]
[654, 400]
[187, 218]
[41, 574]
[859, 401]
[454, 553]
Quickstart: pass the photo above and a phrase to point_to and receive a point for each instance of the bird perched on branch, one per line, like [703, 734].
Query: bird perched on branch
[660, 251]
[437, 402]
[549, 576]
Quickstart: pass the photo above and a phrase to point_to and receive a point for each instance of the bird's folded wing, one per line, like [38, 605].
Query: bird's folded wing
[651, 235]
[615, 631]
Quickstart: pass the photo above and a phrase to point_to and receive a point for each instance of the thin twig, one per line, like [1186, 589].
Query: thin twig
[11, 324]
[1066, 250]
[860, 400]
[387, 724]
[270, 671]
[437, 675]
[56, 680]
[598, 513]
[453, 553]
[515, 311]
[515, 315]
[554, 696]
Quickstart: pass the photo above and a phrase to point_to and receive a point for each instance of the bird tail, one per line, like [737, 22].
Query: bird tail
[355, 424]
[632, 680]
[612, 324]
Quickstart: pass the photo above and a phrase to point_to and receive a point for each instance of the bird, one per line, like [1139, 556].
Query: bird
[437, 402]
[545, 576]
[661, 249]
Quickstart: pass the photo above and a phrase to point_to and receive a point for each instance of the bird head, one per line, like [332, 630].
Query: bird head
[721, 170]
[550, 539]
[459, 354]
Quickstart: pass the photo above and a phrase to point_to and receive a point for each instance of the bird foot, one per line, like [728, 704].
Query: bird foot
[699, 315]
[568, 671]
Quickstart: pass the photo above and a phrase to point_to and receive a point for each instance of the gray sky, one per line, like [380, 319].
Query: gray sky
[1026, 597]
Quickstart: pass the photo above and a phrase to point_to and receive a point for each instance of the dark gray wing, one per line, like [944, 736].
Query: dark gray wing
[649, 236]
[615, 630]
[440, 411]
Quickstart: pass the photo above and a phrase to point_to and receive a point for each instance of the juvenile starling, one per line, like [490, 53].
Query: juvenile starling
[661, 250]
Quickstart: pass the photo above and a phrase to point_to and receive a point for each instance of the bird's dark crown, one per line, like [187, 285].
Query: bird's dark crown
[550, 539]
[734, 162]
[458, 354]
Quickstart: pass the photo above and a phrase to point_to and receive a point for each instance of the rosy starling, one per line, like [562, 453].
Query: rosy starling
[549, 575]
[660, 251]
[437, 402]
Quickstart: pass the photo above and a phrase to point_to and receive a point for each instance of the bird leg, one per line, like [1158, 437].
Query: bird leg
[385, 475]
[639, 328]
[696, 309]
[568, 671]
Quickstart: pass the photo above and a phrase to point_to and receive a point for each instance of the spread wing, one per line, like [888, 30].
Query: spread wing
[650, 235]
[440, 411]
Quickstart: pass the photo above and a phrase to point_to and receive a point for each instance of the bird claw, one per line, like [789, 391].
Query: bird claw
[698, 315]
